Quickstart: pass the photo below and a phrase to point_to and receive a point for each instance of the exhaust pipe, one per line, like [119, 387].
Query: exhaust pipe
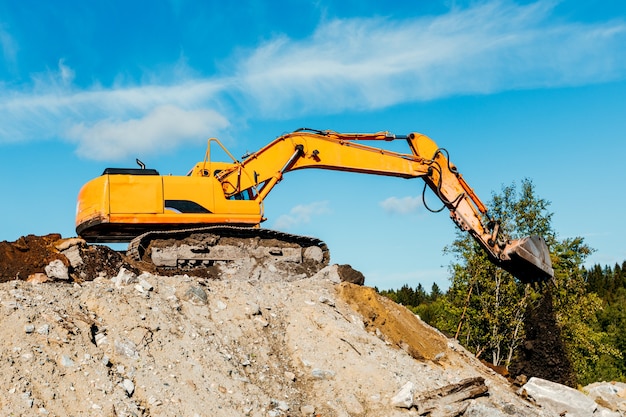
[528, 259]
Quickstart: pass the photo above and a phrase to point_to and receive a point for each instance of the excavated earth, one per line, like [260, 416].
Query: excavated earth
[87, 333]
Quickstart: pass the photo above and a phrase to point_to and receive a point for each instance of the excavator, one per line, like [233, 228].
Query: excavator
[213, 214]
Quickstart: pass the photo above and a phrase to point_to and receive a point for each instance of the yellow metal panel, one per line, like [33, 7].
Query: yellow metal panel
[93, 200]
[136, 194]
[190, 188]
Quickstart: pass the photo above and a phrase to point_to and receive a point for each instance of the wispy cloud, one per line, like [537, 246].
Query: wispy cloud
[373, 63]
[301, 214]
[108, 140]
[9, 49]
[401, 205]
[345, 65]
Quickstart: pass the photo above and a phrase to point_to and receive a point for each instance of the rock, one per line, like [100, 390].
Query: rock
[609, 395]
[330, 273]
[100, 339]
[129, 387]
[57, 270]
[66, 361]
[72, 254]
[253, 309]
[325, 300]
[349, 274]
[558, 398]
[281, 405]
[65, 244]
[404, 397]
[195, 295]
[145, 285]
[126, 347]
[307, 410]
[322, 373]
[340, 273]
[29, 328]
[37, 278]
[44, 329]
[124, 277]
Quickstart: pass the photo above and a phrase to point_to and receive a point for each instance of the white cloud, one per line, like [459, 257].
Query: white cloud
[113, 123]
[346, 64]
[301, 214]
[377, 62]
[401, 205]
[66, 73]
[160, 130]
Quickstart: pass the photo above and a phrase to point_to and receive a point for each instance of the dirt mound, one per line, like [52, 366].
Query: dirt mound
[51, 257]
[28, 255]
[395, 323]
[111, 340]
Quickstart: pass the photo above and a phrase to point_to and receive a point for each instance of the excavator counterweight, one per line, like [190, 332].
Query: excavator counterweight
[223, 200]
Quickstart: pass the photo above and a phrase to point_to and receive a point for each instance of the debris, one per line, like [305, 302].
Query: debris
[404, 397]
[129, 387]
[127, 342]
[451, 400]
[57, 269]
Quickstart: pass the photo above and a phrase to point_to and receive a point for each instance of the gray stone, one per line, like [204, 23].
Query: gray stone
[325, 300]
[322, 373]
[44, 329]
[611, 395]
[57, 269]
[558, 398]
[253, 309]
[404, 397]
[124, 277]
[100, 339]
[73, 255]
[66, 361]
[129, 387]
[127, 348]
[195, 295]
[145, 285]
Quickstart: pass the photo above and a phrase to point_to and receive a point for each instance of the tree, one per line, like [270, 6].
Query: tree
[491, 302]
[490, 305]
[435, 292]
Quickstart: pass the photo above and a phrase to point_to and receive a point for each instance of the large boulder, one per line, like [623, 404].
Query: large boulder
[562, 400]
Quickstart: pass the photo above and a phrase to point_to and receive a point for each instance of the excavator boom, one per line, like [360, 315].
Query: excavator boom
[122, 204]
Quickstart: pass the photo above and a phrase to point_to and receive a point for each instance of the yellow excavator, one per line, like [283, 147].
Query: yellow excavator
[213, 214]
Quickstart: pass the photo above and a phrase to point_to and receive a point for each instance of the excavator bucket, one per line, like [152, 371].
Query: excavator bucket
[528, 259]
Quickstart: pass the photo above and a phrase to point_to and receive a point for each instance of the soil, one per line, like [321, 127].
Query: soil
[543, 353]
[28, 255]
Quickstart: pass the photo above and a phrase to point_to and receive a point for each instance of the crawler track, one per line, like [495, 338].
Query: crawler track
[187, 250]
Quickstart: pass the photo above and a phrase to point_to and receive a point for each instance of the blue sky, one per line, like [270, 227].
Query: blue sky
[513, 90]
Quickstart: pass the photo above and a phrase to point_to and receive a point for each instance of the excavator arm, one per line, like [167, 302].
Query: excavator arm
[528, 258]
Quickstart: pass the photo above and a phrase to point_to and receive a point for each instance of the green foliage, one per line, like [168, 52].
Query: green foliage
[610, 286]
[485, 307]
[491, 302]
